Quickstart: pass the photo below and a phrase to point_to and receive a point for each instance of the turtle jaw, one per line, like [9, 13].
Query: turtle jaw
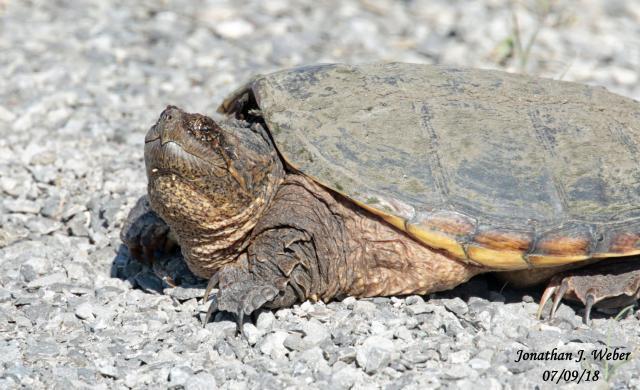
[185, 144]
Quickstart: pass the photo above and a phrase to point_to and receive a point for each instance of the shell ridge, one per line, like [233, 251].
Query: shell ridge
[440, 174]
[540, 131]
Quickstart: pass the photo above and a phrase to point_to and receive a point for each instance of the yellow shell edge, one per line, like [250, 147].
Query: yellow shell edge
[610, 255]
[511, 260]
[437, 240]
[551, 260]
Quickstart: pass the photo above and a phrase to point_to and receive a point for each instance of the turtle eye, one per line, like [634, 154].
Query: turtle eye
[204, 131]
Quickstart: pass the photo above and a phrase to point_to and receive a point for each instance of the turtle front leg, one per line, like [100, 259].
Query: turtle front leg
[273, 274]
[145, 233]
[295, 253]
[310, 245]
[609, 283]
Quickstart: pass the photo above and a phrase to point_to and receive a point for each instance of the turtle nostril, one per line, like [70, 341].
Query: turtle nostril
[168, 112]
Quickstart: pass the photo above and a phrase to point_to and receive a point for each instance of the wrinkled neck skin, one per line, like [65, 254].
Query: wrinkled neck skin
[212, 201]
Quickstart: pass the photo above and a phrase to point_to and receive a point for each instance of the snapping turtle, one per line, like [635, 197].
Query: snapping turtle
[334, 180]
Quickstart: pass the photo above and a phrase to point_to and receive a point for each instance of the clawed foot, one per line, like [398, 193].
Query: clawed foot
[239, 294]
[611, 283]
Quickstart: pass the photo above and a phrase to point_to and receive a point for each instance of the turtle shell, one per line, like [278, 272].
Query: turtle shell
[498, 169]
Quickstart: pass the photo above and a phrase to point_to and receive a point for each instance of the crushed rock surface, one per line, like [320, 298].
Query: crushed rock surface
[80, 83]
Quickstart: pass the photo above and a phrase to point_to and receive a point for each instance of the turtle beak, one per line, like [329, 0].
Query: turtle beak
[152, 135]
[167, 127]
[162, 129]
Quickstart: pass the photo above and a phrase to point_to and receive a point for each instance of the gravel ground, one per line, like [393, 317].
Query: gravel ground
[81, 81]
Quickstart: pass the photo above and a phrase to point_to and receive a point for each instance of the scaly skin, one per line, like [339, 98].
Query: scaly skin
[271, 237]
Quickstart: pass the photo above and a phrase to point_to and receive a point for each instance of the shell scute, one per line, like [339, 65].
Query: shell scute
[465, 160]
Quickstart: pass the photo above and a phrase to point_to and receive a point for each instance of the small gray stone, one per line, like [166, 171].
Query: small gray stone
[457, 306]
[403, 333]
[380, 300]
[44, 174]
[459, 371]
[12, 234]
[37, 265]
[265, 321]
[184, 294]
[136, 379]
[43, 348]
[5, 295]
[18, 373]
[28, 273]
[273, 344]
[179, 376]
[295, 342]
[109, 211]
[315, 332]
[459, 356]
[413, 300]
[321, 313]
[42, 226]
[6, 115]
[374, 353]
[77, 272]
[234, 29]
[48, 280]
[349, 301]
[364, 307]
[222, 329]
[340, 354]
[22, 206]
[252, 333]
[106, 368]
[23, 322]
[9, 351]
[479, 364]
[53, 207]
[225, 350]
[79, 225]
[314, 358]
[345, 377]
[201, 381]
[420, 308]
[84, 311]
[10, 186]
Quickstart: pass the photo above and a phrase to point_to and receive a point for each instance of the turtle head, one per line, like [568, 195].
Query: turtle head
[206, 177]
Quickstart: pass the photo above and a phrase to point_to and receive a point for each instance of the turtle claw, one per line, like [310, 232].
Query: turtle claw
[213, 308]
[559, 294]
[558, 291]
[213, 282]
[242, 295]
[591, 299]
[239, 322]
[548, 292]
[611, 284]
